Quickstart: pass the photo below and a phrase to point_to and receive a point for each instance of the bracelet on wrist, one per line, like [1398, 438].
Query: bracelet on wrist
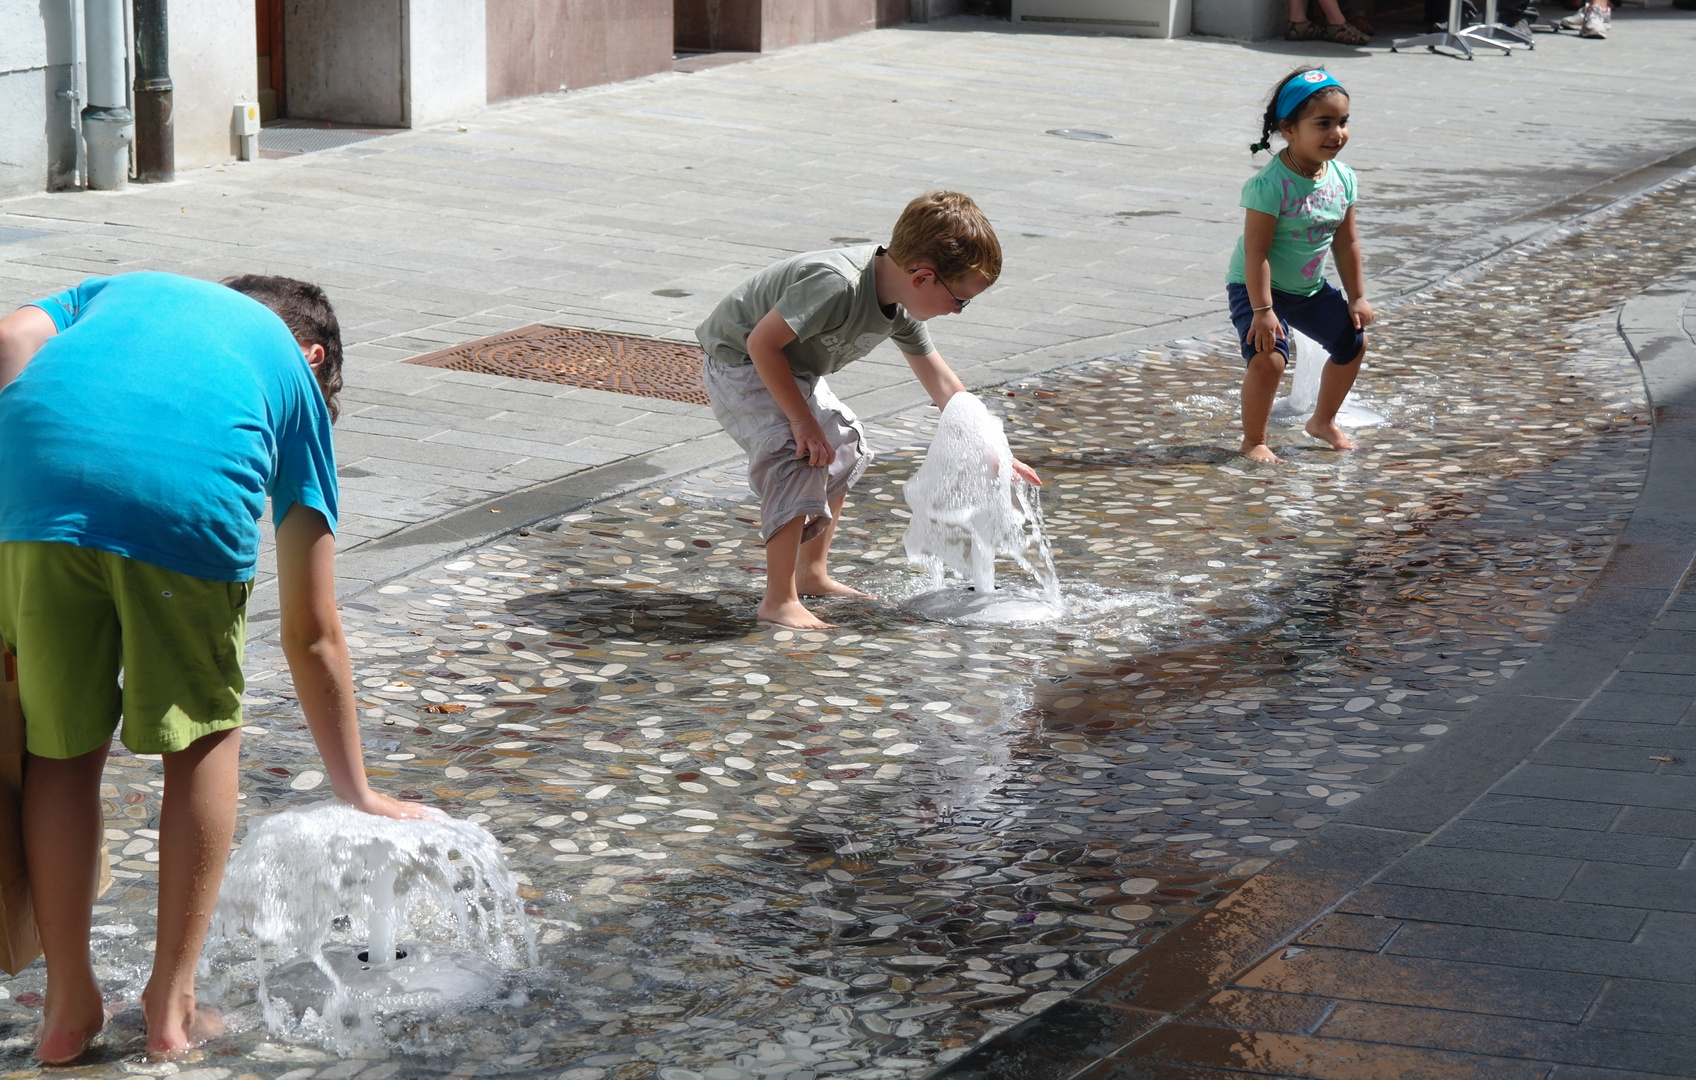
[1268, 307]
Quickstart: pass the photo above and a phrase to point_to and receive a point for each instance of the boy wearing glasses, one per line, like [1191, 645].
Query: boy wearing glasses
[771, 342]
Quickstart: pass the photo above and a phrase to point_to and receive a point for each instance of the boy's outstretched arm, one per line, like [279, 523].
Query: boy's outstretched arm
[942, 384]
[318, 659]
[1345, 252]
[22, 334]
[765, 348]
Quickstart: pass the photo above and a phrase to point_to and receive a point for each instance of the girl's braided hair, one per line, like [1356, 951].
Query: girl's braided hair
[1269, 121]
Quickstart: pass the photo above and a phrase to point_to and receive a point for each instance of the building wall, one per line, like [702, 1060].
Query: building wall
[387, 63]
[345, 61]
[717, 25]
[37, 143]
[213, 66]
[541, 46]
[769, 25]
[446, 59]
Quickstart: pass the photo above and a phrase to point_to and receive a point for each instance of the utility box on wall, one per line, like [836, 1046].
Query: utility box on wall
[1126, 18]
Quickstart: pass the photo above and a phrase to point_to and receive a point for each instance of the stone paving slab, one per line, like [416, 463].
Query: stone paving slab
[1486, 913]
[577, 208]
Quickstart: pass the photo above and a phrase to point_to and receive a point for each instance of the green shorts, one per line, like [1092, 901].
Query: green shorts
[77, 618]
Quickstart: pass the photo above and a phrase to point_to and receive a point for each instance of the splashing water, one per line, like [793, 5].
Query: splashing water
[1310, 359]
[432, 900]
[970, 509]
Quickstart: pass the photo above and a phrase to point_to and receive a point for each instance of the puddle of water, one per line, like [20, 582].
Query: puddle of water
[757, 853]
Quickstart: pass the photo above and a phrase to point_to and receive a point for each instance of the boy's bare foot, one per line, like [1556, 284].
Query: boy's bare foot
[829, 587]
[1331, 433]
[68, 1027]
[793, 614]
[176, 1033]
[1262, 453]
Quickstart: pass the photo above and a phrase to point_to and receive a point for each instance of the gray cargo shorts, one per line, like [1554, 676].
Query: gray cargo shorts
[787, 486]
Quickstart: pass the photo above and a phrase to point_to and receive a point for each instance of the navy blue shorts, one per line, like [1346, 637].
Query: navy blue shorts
[1324, 317]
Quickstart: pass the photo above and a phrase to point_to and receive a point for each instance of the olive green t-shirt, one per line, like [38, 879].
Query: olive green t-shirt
[829, 298]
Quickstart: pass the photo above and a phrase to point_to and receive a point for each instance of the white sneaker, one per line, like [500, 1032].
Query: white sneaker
[1595, 24]
[1575, 21]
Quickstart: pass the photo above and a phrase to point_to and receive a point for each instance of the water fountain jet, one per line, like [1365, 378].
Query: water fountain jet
[969, 508]
[1310, 359]
[352, 917]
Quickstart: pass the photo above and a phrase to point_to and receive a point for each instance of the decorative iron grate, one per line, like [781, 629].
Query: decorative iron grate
[619, 363]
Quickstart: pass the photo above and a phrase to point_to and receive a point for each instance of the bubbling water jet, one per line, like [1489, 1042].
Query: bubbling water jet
[433, 901]
[969, 508]
[1310, 359]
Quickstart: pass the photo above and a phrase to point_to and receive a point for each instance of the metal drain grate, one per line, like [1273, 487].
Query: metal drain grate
[619, 363]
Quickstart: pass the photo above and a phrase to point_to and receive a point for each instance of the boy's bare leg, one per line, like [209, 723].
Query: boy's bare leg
[196, 822]
[782, 603]
[1260, 385]
[812, 574]
[1334, 386]
[62, 829]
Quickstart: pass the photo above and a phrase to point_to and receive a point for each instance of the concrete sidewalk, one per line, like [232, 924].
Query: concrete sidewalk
[577, 209]
[1520, 903]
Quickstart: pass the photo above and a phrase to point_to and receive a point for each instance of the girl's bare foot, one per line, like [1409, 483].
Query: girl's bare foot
[829, 586]
[180, 1030]
[793, 614]
[1331, 433]
[68, 1026]
[1261, 452]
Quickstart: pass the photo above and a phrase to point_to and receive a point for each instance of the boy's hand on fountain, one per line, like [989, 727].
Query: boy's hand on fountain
[1026, 473]
[810, 442]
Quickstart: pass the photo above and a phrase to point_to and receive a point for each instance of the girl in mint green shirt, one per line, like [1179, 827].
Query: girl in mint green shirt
[1298, 208]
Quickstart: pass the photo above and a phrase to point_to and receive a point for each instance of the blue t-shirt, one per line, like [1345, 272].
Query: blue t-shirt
[156, 421]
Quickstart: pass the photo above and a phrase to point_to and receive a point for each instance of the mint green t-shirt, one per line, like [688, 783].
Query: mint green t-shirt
[1308, 212]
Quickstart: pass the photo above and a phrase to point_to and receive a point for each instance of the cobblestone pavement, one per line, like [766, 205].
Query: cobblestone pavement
[760, 853]
[584, 208]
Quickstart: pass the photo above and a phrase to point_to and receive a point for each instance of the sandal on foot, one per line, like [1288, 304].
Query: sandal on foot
[1345, 34]
[1304, 31]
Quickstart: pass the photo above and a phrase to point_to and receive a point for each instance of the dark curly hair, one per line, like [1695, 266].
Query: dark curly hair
[306, 311]
[1269, 121]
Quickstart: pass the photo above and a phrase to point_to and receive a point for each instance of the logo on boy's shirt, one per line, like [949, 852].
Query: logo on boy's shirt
[846, 350]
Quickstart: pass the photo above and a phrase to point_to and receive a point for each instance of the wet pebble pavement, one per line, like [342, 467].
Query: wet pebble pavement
[761, 853]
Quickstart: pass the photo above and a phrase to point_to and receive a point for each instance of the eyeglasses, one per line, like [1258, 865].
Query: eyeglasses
[959, 304]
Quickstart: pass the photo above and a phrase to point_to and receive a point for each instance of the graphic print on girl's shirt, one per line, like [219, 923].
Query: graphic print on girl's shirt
[1309, 212]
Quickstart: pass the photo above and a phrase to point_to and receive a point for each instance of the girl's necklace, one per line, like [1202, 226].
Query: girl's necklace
[1309, 174]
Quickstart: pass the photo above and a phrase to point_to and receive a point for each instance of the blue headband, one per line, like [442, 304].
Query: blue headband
[1302, 87]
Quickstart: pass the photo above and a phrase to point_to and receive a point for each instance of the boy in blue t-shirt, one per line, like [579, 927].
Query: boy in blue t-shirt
[143, 421]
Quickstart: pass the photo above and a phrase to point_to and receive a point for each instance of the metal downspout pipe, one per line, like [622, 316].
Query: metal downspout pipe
[108, 124]
[155, 142]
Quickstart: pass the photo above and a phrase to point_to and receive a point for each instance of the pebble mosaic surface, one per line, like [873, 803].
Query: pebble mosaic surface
[758, 853]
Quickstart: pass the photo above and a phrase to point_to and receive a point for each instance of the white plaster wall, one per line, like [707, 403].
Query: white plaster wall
[23, 98]
[447, 59]
[214, 64]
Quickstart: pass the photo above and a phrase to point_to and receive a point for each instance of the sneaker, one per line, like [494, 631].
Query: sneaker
[1575, 21]
[1595, 24]
[1304, 31]
[1346, 34]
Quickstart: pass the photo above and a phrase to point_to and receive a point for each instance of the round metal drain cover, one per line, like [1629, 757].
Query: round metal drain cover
[1078, 133]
